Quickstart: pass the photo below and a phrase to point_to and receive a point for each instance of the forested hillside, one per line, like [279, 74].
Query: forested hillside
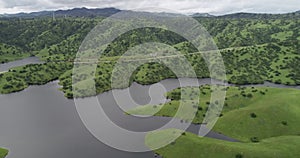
[255, 48]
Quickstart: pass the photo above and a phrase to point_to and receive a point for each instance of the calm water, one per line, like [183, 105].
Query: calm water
[41, 123]
[30, 60]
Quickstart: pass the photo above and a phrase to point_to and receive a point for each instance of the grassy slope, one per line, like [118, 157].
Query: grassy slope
[276, 112]
[235, 98]
[3, 153]
[197, 147]
[276, 125]
[277, 108]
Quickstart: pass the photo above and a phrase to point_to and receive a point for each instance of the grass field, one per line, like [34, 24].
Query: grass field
[197, 147]
[276, 114]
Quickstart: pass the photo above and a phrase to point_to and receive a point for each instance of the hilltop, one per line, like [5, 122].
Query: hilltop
[76, 12]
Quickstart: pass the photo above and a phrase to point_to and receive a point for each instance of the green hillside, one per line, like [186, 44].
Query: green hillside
[10, 53]
[276, 114]
[255, 49]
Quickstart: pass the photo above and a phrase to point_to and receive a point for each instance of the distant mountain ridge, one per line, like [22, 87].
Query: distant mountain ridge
[76, 12]
[258, 15]
[105, 12]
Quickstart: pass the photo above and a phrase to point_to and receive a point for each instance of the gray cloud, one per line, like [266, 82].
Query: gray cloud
[183, 6]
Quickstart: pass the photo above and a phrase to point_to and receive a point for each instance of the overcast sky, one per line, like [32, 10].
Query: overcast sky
[216, 7]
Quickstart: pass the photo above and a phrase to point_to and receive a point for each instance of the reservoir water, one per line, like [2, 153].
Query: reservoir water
[9, 65]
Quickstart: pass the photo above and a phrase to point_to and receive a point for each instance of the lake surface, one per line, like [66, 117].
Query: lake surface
[9, 65]
[40, 122]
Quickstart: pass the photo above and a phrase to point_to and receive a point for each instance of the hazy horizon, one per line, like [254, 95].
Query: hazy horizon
[214, 7]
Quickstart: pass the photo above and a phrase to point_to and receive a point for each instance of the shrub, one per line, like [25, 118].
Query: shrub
[238, 156]
[254, 139]
[254, 90]
[6, 86]
[284, 123]
[263, 93]
[249, 95]
[278, 82]
[253, 115]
